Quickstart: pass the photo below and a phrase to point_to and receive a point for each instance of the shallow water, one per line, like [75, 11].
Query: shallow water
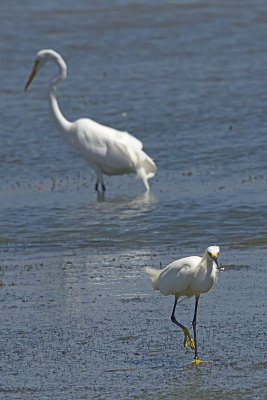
[78, 316]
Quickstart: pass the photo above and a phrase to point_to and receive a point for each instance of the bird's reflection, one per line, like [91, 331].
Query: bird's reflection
[144, 198]
[100, 196]
[125, 205]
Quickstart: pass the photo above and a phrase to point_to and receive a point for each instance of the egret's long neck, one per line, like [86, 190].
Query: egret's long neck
[63, 125]
[61, 122]
[206, 265]
[209, 265]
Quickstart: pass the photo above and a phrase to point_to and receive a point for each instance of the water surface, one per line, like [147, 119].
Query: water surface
[78, 316]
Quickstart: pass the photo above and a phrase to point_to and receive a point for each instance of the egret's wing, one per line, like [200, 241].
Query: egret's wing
[128, 139]
[177, 276]
[112, 150]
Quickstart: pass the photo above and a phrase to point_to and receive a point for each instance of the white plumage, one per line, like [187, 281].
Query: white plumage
[107, 150]
[189, 276]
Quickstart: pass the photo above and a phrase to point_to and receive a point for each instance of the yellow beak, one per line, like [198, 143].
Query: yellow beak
[33, 73]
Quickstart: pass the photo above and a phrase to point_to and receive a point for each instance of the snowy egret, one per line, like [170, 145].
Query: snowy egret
[189, 276]
[108, 151]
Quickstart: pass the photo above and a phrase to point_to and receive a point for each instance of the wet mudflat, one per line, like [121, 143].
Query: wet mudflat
[85, 328]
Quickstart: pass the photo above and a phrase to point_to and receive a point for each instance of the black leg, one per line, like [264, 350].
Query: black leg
[174, 320]
[186, 331]
[102, 185]
[194, 323]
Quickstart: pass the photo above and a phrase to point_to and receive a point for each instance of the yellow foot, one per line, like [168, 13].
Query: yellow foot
[197, 361]
[187, 336]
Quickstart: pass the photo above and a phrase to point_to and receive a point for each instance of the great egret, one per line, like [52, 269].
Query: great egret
[189, 276]
[107, 150]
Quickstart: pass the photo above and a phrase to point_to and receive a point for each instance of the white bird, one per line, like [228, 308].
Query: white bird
[189, 276]
[108, 151]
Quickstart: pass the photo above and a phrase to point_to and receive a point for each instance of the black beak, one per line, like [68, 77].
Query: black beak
[216, 261]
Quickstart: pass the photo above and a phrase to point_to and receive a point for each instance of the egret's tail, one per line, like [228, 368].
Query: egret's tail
[148, 164]
[153, 275]
[146, 168]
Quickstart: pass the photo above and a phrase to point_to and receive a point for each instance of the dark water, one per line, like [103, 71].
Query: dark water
[79, 319]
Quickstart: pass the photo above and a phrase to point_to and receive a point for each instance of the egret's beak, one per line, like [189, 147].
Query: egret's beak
[216, 261]
[33, 73]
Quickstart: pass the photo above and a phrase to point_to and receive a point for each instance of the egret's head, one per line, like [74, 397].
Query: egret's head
[45, 55]
[41, 58]
[213, 252]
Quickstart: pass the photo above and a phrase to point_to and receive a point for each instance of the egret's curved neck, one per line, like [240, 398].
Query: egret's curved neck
[62, 123]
